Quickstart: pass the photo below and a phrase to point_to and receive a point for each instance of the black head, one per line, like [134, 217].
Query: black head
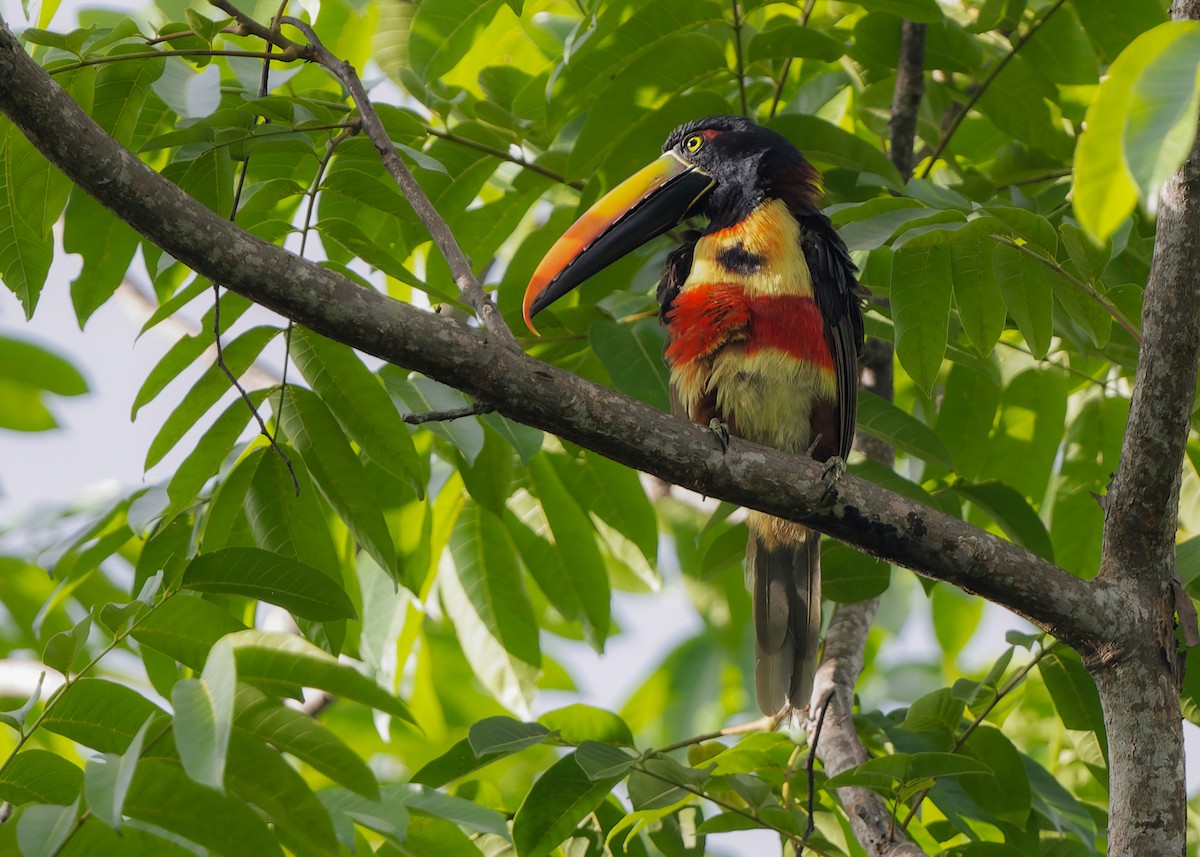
[750, 164]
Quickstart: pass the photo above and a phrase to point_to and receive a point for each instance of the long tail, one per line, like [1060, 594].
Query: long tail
[783, 570]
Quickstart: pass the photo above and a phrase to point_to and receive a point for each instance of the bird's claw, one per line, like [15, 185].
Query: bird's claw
[721, 430]
[834, 468]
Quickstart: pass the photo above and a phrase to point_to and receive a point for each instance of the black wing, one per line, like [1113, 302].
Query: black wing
[839, 296]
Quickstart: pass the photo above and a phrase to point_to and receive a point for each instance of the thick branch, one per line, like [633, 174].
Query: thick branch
[1138, 676]
[839, 748]
[860, 513]
[906, 96]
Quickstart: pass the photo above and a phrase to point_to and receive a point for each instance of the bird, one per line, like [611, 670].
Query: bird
[763, 316]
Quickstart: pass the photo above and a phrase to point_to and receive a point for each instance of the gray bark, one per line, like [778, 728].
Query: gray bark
[1138, 670]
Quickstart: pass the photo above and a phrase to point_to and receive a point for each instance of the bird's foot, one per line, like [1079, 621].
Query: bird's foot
[834, 468]
[721, 431]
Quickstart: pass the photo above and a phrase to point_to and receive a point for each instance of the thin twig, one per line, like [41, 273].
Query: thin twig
[987, 81]
[503, 155]
[762, 724]
[810, 767]
[787, 63]
[181, 52]
[438, 229]
[216, 328]
[448, 414]
[1087, 290]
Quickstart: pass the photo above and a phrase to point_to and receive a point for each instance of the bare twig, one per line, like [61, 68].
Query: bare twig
[983, 87]
[762, 724]
[438, 229]
[503, 155]
[448, 414]
[787, 63]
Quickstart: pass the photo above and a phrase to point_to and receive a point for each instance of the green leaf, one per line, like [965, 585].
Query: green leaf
[64, 648]
[188, 349]
[24, 253]
[850, 576]
[105, 243]
[826, 143]
[504, 736]
[1162, 112]
[162, 795]
[1008, 508]
[1103, 191]
[39, 776]
[285, 582]
[485, 598]
[275, 659]
[295, 733]
[920, 11]
[338, 472]
[632, 354]
[1112, 26]
[423, 395]
[1062, 51]
[204, 718]
[1074, 693]
[956, 616]
[443, 31]
[469, 814]
[43, 830]
[977, 296]
[99, 714]
[283, 522]
[578, 723]
[792, 40]
[261, 776]
[214, 446]
[883, 420]
[457, 762]
[938, 712]
[557, 803]
[575, 540]
[208, 390]
[39, 368]
[185, 627]
[1006, 793]
[921, 308]
[1028, 296]
[361, 404]
[109, 777]
[890, 773]
[600, 761]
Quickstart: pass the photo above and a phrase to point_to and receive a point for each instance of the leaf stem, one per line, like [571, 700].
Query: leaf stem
[987, 81]
[1087, 290]
[787, 63]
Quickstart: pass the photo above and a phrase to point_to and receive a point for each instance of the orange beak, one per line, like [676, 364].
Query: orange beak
[642, 207]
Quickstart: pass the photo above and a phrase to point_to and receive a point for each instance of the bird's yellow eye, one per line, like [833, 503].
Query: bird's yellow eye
[693, 143]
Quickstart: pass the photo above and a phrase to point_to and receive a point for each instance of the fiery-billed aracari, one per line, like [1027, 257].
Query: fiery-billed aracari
[764, 326]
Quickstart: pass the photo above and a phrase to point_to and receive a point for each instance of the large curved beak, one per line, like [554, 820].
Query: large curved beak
[642, 207]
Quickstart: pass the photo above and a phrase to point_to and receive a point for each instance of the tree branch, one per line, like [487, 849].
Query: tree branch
[906, 96]
[859, 513]
[839, 748]
[1138, 676]
[439, 230]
